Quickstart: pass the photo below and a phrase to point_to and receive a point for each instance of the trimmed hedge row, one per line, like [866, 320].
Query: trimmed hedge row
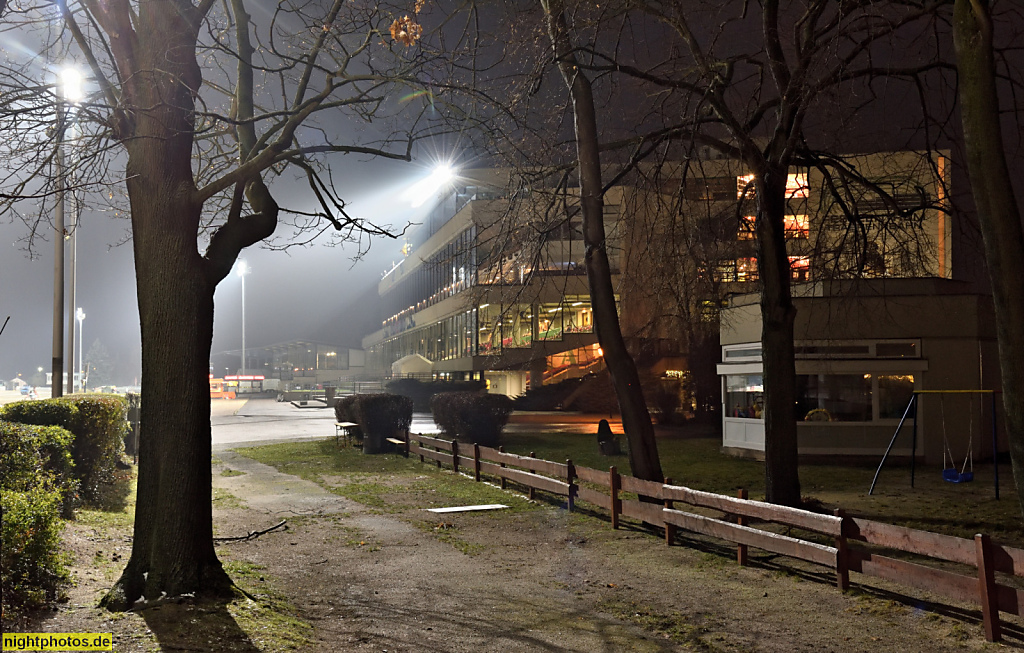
[380, 416]
[37, 488]
[32, 566]
[422, 391]
[32, 456]
[98, 423]
[475, 417]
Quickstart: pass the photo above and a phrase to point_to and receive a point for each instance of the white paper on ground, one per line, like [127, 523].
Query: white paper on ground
[489, 506]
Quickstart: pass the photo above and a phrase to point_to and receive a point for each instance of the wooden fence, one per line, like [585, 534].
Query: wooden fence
[740, 517]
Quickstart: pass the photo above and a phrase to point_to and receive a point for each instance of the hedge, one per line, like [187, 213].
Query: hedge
[475, 417]
[38, 456]
[98, 423]
[381, 416]
[32, 566]
[422, 391]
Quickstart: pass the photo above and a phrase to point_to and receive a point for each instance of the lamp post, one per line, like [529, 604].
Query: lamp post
[68, 88]
[243, 269]
[71, 80]
[80, 316]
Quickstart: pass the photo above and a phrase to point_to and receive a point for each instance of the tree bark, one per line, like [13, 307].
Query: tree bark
[998, 212]
[782, 480]
[636, 420]
[172, 551]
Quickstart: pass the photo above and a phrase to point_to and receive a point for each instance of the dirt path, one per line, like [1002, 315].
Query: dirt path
[397, 580]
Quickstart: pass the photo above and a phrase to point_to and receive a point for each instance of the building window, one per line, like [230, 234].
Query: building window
[549, 322]
[744, 395]
[746, 269]
[894, 393]
[833, 397]
[796, 186]
[489, 329]
[577, 314]
[799, 268]
[517, 326]
[797, 226]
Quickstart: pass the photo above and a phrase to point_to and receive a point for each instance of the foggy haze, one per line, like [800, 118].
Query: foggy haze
[301, 293]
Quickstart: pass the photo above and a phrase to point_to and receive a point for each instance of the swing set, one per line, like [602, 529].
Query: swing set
[950, 473]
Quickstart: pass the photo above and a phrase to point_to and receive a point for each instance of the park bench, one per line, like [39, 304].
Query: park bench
[402, 444]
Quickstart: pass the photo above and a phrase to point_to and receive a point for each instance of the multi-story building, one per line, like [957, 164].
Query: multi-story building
[493, 284]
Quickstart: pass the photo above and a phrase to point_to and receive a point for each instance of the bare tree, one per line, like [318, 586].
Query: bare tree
[998, 211]
[197, 107]
[747, 81]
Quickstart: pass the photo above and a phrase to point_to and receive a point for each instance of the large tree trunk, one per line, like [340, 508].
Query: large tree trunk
[998, 213]
[172, 551]
[636, 420]
[782, 480]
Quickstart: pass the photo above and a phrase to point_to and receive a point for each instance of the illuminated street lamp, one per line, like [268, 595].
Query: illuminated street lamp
[69, 88]
[242, 270]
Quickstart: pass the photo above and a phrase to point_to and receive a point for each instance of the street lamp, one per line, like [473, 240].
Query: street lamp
[80, 316]
[69, 88]
[71, 80]
[243, 269]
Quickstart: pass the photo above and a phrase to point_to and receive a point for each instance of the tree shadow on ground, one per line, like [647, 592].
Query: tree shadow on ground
[201, 625]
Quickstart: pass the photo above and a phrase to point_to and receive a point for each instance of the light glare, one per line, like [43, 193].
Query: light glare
[71, 84]
[426, 189]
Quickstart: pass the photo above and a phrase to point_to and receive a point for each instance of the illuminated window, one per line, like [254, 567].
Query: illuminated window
[746, 231]
[745, 187]
[797, 226]
[799, 268]
[796, 186]
[746, 269]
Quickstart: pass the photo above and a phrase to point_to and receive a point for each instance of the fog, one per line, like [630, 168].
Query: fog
[303, 292]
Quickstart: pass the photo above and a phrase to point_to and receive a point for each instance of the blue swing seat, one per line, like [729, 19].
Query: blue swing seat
[952, 476]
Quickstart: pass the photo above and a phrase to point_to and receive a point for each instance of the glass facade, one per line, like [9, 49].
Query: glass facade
[490, 329]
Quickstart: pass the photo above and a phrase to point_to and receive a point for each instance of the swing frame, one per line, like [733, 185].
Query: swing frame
[912, 408]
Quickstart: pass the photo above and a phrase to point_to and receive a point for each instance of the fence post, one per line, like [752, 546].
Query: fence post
[407, 443]
[476, 462]
[570, 477]
[670, 529]
[987, 588]
[741, 549]
[502, 450]
[530, 492]
[455, 456]
[842, 555]
[613, 478]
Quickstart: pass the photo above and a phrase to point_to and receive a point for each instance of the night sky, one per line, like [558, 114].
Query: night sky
[299, 293]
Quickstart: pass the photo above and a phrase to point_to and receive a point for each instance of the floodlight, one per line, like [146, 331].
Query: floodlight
[71, 84]
[424, 190]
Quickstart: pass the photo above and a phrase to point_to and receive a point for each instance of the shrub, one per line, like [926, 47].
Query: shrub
[98, 423]
[472, 416]
[381, 416]
[344, 408]
[38, 456]
[421, 391]
[32, 571]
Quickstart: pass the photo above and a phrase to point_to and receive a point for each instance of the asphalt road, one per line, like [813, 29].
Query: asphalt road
[258, 421]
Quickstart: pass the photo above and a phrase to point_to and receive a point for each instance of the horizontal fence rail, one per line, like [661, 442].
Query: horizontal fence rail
[657, 504]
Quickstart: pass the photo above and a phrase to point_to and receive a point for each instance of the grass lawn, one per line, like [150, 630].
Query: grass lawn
[934, 505]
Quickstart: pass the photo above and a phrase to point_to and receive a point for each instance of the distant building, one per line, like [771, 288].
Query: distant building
[862, 349]
[493, 285]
